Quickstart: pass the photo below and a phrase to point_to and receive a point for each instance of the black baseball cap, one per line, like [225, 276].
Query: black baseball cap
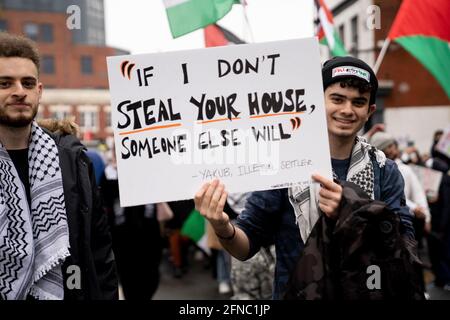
[339, 68]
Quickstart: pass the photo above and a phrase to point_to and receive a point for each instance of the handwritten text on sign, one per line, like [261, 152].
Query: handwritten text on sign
[251, 115]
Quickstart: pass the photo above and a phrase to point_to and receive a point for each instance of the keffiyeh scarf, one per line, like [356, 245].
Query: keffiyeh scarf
[305, 200]
[33, 241]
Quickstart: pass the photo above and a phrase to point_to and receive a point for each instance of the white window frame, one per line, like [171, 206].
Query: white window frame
[89, 109]
[106, 114]
[61, 111]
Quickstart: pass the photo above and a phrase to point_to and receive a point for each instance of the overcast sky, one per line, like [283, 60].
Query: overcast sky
[141, 26]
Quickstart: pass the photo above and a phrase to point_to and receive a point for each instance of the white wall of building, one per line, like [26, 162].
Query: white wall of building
[366, 37]
[417, 124]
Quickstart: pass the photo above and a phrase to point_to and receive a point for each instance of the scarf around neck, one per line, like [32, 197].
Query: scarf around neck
[305, 200]
[33, 241]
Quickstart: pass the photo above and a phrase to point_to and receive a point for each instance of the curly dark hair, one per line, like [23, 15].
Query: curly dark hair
[359, 84]
[17, 46]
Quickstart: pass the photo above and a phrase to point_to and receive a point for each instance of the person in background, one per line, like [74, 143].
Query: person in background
[97, 162]
[178, 243]
[251, 279]
[439, 238]
[416, 198]
[411, 155]
[136, 240]
[437, 158]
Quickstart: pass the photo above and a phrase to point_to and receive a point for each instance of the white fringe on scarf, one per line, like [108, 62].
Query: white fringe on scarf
[305, 200]
[34, 242]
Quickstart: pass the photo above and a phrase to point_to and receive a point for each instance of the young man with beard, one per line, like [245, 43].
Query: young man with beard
[287, 216]
[54, 237]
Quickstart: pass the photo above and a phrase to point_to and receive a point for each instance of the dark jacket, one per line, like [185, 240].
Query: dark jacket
[269, 218]
[340, 257]
[439, 238]
[89, 236]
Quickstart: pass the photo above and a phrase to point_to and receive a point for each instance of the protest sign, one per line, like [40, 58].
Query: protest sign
[251, 115]
[429, 179]
[443, 144]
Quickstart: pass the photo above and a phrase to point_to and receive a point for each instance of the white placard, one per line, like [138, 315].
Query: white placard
[443, 144]
[429, 179]
[251, 115]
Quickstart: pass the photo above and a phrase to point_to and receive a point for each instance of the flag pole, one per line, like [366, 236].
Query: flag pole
[247, 23]
[380, 58]
[316, 20]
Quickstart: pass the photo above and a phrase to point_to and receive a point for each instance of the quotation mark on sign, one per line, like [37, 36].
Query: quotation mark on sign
[128, 66]
[296, 122]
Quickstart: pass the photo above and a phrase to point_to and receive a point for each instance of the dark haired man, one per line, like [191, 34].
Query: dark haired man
[54, 238]
[287, 216]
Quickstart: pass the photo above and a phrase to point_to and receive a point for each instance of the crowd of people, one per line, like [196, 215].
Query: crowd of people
[430, 208]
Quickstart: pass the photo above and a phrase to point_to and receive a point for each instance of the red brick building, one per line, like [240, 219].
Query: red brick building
[64, 63]
[90, 108]
[73, 62]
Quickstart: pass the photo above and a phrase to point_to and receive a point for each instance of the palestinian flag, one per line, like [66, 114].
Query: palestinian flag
[327, 34]
[189, 15]
[216, 36]
[422, 27]
[195, 229]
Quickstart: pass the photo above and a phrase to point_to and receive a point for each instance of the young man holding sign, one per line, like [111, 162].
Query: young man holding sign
[286, 216]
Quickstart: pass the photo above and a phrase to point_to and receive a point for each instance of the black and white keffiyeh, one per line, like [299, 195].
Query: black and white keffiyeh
[305, 200]
[33, 243]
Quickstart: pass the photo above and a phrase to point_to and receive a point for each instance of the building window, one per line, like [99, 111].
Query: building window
[88, 119]
[86, 65]
[3, 25]
[108, 118]
[39, 32]
[354, 28]
[60, 112]
[46, 32]
[342, 33]
[31, 30]
[48, 64]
